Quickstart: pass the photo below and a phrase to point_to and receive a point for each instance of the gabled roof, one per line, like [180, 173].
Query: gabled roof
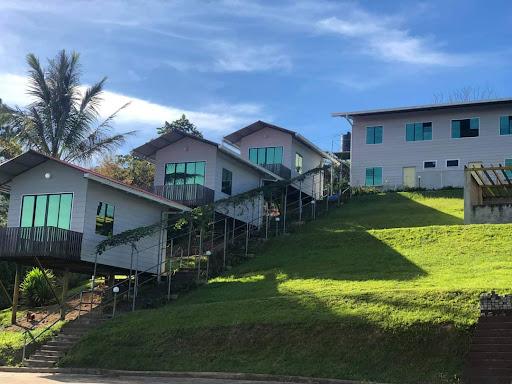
[149, 149]
[236, 137]
[30, 159]
[421, 108]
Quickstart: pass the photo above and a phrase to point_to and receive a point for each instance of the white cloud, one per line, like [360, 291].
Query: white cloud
[213, 119]
[235, 58]
[379, 37]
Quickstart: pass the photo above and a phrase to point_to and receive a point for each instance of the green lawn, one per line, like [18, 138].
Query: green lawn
[385, 288]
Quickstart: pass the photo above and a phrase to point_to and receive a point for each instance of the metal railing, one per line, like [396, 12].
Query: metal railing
[187, 194]
[278, 169]
[54, 242]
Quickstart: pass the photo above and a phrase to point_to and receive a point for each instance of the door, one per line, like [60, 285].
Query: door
[410, 177]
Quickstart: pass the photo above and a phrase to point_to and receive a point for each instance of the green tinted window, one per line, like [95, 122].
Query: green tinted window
[418, 131]
[40, 213]
[105, 219]
[53, 210]
[465, 128]
[27, 211]
[253, 155]
[66, 201]
[266, 155]
[278, 157]
[373, 176]
[227, 181]
[185, 173]
[47, 210]
[374, 135]
[506, 125]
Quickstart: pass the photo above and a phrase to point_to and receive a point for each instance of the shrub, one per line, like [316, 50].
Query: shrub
[35, 288]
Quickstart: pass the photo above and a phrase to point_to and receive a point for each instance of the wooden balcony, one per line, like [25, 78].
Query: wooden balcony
[278, 169]
[17, 244]
[192, 195]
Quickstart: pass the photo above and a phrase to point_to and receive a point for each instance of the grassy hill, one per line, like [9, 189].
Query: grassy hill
[385, 288]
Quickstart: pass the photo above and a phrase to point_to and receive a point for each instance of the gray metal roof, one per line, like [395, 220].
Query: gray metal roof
[149, 149]
[419, 108]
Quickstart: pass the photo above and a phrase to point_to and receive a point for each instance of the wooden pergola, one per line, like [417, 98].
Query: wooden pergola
[491, 184]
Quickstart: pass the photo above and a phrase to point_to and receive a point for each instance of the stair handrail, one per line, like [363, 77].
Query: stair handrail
[28, 331]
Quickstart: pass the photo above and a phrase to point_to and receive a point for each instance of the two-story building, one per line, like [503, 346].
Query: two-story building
[428, 146]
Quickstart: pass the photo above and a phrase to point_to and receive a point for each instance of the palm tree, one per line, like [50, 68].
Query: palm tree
[63, 121]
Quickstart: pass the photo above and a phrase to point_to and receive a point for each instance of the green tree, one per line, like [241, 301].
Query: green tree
[63, 120]
[128, 169]
[182, 124]
[10, 144]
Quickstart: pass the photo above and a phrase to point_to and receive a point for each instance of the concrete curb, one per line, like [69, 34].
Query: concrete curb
[191, 375]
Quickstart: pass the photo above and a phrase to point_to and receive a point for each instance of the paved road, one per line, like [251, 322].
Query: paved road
[57, 378]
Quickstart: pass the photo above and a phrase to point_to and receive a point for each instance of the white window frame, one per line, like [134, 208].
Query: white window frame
[429, 161]
[452, 167]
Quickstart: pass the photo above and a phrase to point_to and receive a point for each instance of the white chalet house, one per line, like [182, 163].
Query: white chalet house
[282, 151]
[428, 146]
[59, 212]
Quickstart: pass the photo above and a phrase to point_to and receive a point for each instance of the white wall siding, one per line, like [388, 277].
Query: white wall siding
[187, 149]
[130, 212]
[268, 137]
[395, 152]
[310, 160]
[245, 178]
[63, 180]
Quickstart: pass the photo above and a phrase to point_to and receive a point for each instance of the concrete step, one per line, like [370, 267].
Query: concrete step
[56, 348]
[489, 363]
[493, 332]
[491, 348]
[44, 356]
[496, 339]
[60, 343]
[489, 371]
[487, 380]
[39, 363]
[490, 355]
[49, 352]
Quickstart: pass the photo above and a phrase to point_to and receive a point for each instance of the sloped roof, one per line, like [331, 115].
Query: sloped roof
[30, 159]
[149, 149]
[420, 108]
[236, 137]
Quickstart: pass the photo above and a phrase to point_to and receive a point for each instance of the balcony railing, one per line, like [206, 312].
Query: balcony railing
[187, 194]
[278, 169]
[44, 242]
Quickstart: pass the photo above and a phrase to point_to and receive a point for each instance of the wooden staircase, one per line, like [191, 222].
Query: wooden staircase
[490, 357]
[49, 353]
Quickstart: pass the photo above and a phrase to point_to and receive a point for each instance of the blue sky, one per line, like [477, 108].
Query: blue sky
[229, 63]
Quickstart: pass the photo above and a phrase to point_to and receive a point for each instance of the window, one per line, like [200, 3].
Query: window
[465, 128]
[298, 162]
[227, 181]
[185, 173]
[373, 176]
[374, 135]
[429, 164]
[418, 131]
[508, 163]
[452, 163]
[105, 219]
[266, 155]
[506, 125]
[52, 210]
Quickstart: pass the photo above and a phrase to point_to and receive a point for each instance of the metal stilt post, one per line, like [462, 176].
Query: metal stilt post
[131, 271]
[16, 294]
[284, 208]
[189, 240]
[200, 253]
[169, 272]
[225, 242]
[246, 239]
[94, 278]
[300, 201]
